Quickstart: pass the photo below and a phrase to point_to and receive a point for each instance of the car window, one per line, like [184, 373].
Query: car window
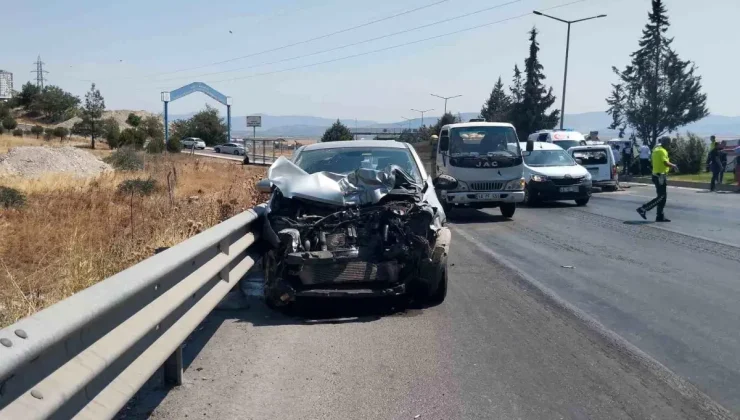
[538, 158]
[567, 144]
[346, 160]
[591, 157]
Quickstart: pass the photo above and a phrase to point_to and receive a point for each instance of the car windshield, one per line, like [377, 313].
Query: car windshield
[346, 160]
[591, 157]
[484, 140]
[567, 144]
[539, 158]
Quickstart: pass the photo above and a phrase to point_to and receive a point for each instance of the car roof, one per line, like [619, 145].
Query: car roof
[541, 145]
[478, 124]
[387, 144]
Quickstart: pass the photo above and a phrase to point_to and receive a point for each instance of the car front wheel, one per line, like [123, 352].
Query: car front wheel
[508, 209]
[582, 201]
[217, 150]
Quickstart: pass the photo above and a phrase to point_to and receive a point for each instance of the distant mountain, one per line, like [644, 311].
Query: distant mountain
[310, 126]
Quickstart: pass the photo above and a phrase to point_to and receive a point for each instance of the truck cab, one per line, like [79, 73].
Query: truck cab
[485, 159]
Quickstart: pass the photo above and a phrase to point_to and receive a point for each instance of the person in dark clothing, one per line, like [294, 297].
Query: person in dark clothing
[661, 166]
[626, 159]
[723, 160]
[714, 160]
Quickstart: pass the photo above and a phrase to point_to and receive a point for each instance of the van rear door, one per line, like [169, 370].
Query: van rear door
[596, 160]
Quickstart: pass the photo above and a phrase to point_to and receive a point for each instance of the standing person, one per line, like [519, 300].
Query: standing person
[712, 142]
[626, 159]
[644, 158]
[715, 165]
[722, 160]
[661, 166]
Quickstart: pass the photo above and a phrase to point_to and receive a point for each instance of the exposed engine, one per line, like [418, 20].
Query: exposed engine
[366, 232]
[380, 243]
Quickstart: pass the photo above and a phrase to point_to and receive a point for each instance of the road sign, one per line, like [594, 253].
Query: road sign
[254, 121]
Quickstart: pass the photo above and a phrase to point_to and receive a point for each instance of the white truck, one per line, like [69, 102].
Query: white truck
[485, 160]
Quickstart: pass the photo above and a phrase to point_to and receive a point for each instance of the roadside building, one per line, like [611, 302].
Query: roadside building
[6, 85]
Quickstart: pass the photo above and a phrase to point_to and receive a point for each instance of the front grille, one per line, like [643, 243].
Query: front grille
[350, 272]
[486, 186]
[566, 181]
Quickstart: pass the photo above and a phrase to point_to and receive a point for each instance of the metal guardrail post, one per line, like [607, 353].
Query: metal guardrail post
[173, 368]
[254, 152]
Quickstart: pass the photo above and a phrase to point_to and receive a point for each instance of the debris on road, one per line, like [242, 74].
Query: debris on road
[567, 266]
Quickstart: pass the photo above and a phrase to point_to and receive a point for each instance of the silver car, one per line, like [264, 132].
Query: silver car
[231, 149]
[193, 143]
[354, 219]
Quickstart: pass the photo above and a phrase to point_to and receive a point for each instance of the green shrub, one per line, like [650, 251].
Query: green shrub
[18, 132]
[141, 187]
[60, 132]
[174, 145]
[11, 198]
[155, 146]
[689, 153]
[48, 136]
[10, 123]
[125, 159]
[2, 130]
[37, 130]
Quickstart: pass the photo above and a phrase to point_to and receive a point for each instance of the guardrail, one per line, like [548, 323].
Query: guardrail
[86, 356]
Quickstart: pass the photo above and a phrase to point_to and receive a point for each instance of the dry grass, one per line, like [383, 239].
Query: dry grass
[73, 233]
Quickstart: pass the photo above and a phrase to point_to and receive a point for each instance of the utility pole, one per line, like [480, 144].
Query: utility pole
[422, 114]
[567, 48]
[39, 72]
[446, 98]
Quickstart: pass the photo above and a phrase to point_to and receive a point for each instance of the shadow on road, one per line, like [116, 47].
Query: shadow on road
[638, 222]
[317, 311]
[466, 216]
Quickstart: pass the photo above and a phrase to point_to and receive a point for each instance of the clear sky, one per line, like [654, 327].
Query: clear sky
[125, 47]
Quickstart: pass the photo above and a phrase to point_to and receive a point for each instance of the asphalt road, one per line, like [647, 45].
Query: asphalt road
[503, 345]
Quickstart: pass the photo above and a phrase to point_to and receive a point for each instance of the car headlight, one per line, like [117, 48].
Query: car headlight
[539, 178]
[588, 176]
[515, 185]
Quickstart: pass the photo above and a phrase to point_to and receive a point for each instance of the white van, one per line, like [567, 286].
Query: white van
[565, 138]
[486, 160]
[551, 174]
[600, 163]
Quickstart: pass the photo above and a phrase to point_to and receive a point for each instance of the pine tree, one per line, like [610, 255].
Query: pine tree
[529, 114]
[616, 109]
[496, 109]
[337, 132]
[662, 93]
[517, 86]
[92, 112]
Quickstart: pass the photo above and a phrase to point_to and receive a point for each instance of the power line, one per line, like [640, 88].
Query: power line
[305, 41]
[487, 9]
[39, 72]
[392, 46]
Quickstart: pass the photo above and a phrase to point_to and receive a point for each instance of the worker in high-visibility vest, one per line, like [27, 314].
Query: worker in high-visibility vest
[661, 166]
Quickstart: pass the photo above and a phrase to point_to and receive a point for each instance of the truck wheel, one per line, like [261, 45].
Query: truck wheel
[508, 209]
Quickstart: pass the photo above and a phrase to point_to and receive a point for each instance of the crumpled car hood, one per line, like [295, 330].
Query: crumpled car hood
[361, 187]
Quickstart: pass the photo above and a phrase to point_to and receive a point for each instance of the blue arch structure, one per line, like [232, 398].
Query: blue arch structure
[186, 90]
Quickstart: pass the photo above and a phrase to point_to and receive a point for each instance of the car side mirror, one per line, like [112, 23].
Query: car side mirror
[579, 161]
[530, 145]
[444, 143]
[445, 182]
[264, 186]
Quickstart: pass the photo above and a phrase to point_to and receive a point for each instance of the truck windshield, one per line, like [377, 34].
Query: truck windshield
[484, 140]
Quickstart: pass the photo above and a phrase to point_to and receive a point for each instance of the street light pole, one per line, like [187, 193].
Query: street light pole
[567, 51]
[422, 114]
[446, 98]
[409, 121]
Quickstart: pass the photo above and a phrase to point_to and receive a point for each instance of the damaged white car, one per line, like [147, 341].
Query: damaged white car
[354, 219]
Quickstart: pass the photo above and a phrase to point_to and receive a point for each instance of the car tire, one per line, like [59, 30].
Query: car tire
[528, 199]
[582, 201]
[236, 152]
[217, 150]
[439, 295]
[508, 209]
